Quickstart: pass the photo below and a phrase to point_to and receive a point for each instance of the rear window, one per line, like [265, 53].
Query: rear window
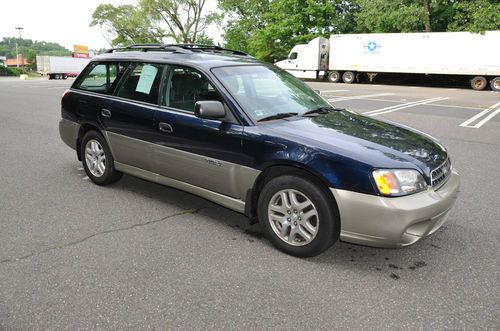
[99, 77]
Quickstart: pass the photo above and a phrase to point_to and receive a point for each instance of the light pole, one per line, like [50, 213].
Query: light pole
[17, 52]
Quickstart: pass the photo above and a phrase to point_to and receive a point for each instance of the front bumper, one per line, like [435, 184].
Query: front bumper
[394, 222]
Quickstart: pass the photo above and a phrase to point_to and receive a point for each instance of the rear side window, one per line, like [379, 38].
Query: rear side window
[141, 83]
[100, 77]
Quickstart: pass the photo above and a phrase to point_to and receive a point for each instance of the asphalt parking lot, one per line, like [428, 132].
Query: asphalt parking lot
[138, 255]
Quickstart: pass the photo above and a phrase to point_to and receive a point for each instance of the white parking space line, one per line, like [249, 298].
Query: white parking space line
[360, 97]
[489, 113]
[333, 91]
[394, 108]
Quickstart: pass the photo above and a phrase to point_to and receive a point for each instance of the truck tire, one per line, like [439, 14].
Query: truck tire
[49, 76]
[349, 77]
[495, 84]
[64, 76]
[478, 83]
[334, 76]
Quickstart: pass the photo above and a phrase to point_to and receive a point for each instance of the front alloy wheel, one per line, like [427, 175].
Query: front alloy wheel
[298, 214]
[293, 217]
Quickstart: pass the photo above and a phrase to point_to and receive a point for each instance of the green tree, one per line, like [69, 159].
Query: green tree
[125, 24]
[244, 19]
[183, 21]
[475, 16]
[269, 29]
[30, 48]
[390, 16]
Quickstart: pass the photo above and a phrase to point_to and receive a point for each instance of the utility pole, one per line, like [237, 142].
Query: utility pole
[18, 28]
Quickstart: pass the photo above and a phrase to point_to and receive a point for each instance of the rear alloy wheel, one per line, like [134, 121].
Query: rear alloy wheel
[478, 83]
[348, 77]
[298, 215]
[97, 159]
[495, 84]
[334, 76]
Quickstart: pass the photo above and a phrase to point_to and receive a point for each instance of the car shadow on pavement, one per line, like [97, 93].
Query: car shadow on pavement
[395, 264]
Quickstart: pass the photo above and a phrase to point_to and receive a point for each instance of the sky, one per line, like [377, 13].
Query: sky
[63, 21]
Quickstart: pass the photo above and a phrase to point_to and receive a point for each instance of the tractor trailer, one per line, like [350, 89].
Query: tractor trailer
[352, 57]
[60, 67]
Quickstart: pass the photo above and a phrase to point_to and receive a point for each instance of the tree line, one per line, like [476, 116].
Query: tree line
[30, 49]
[268, 29]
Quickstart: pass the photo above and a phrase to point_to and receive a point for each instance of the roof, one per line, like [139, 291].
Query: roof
[195, 55]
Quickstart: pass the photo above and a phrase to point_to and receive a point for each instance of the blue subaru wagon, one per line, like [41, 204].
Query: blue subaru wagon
[249, 136]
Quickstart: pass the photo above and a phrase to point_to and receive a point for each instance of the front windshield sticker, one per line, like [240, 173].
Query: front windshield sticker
[148, 75]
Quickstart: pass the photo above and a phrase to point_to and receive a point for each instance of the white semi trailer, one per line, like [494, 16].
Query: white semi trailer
[349, 57]
[60, 67]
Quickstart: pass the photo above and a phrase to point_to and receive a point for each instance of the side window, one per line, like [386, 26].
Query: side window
[141, 83]
[185, 86]
[100, 77]
[293, 56]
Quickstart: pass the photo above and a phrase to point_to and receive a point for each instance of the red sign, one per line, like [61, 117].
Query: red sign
[85, 56]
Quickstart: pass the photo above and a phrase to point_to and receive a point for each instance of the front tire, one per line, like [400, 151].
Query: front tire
[298, 215]
[97, 159]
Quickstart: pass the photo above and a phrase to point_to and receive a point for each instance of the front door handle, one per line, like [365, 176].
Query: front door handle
[106, 113]
[165, 127]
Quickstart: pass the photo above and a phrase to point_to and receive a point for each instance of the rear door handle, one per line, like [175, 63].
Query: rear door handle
[106, 113]
[165, 127]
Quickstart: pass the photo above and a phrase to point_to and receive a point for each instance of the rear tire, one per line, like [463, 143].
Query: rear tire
[334, 76]
[298, 215]
[349, 77]
[478, 83]
[97, 159]
[495, 84]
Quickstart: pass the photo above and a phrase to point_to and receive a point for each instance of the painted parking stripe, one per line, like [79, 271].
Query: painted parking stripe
[333, 91]
[360, 97]
[403, 106]
[395, 106]
[488, 113]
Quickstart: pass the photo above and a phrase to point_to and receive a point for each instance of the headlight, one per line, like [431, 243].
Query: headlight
[398, 182]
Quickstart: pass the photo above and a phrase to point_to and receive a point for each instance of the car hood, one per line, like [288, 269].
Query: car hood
[377, 143]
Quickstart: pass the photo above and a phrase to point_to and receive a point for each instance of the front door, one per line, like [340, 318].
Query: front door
[201, 152]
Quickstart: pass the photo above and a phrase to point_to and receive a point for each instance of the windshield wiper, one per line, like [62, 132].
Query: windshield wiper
[277, 116]
[320, 110]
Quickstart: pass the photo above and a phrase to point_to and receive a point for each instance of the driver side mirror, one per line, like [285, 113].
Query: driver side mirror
[212, 110]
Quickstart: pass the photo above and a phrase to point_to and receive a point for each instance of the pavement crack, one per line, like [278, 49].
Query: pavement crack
[81, 240]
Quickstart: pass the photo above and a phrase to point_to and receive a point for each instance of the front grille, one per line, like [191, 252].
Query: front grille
[440, 175]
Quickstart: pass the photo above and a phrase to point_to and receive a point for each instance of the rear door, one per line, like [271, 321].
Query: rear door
[129, 117]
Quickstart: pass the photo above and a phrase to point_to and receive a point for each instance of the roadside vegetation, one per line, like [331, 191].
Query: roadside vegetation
[29, 49]
[268, 29]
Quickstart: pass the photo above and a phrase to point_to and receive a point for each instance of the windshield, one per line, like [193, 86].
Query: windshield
[264, 91]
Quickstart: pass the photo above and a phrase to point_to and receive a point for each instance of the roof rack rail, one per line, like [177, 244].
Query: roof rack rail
[203, 47]
[179, 48]
[148, 47]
